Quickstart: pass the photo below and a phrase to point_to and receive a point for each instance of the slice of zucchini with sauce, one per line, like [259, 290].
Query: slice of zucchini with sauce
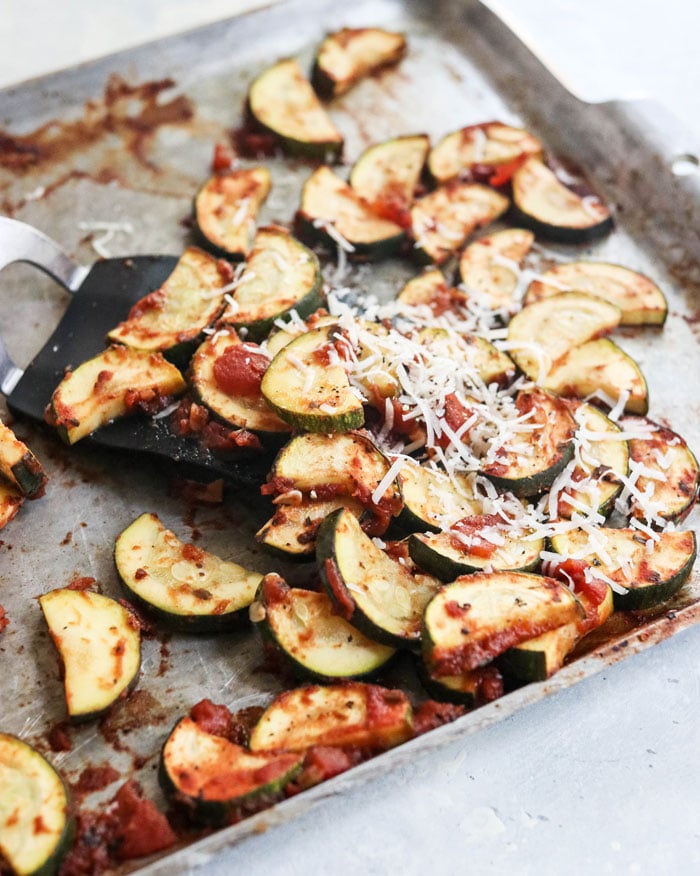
[171, 318]
[226, 209]
[429, 288]
[530, 461]
[307, 385]
[645, 578]
[19, 466]
[312, 638]
[214, 778]
[387, 175]
[331, 211]
[434, 500]
[596, 367]
[484, 147]
[479, 360]
[442, 220]
[113, 384]
[350, 54]
[354, 715]
[477, 617]
[490, 267]
[225, 375]
[544, 204]
[640, 300]
[543, 332]
[99, 643]
[280, 275]
[185, 586]
[282, 102]
[36, 824]
[472, 688]
[374, 592]
[11, 500]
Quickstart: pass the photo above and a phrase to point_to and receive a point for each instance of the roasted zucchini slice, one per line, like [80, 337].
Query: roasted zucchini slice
[333, 213]
[36, 825]
[315, 641]
[226, 209]
[307, 384]
[543, 203]
[429, 288]
[280, 275]
[484, 148]
[214, 777]
[387, 175]
[176, 313]
[490, 268]
[226, 375]
[99, 643]
[115, 383]
[282, 102]
[478, 360]
[374, 592]
[479, 616]
[543, 332]
[669, 479]
[182, 584]
[432, 500]
[472, 688]
[640, 300]
[291, 531]
[10, 502]
[348, 55]
[442, 220]
[19, 466]
[599, 367]
[353, 714]
[641, 578]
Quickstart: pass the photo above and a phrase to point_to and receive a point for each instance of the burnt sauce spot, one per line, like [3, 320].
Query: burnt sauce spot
[140, 709]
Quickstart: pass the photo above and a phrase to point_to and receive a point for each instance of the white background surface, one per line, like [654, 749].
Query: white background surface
[603, 778]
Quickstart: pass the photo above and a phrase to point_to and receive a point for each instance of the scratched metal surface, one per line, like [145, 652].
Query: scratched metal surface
[136, 155]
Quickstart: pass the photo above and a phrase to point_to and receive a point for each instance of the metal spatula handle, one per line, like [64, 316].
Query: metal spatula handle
[20, 242]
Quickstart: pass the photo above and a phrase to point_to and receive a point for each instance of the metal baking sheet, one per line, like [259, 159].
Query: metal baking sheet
[127, 140]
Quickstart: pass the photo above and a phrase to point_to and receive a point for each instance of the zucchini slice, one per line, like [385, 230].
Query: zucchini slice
[225, 375]
[348, 55]
[599, 366]
[543, 332]
[479, 616]
[10, 502]
[530, 462]
[291, 531]
[36, 826]
[354, 715]
[176, 313]
[110, 385]
[472, 688]
[432, 500]
[214, 777]
[282, 101]
[544, 204]
[183, 584]
[374, 592]
[670, 477]
[473, 355]
[19, 466]
[306, 384]
[331, 211]
[387, 175]
[99, 643]
[622, 557]
[226, 209]
[430, 288]
[490, 267]
[315, 641]
[442, 220]
[640, 300]
[480, 147]
[280, 275]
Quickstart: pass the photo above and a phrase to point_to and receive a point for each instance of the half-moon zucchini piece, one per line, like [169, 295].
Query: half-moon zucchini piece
[348, 55]
[36, 825]
[184, 585]
[490, 267]
[10, 502]
[291, 531]
[430, 288]
[282, 102]
[226, 209]
[314, 640]
[543, 203]
[19, 466]
[640, 300]
[472, 688]
[432, 500]
[478, 360]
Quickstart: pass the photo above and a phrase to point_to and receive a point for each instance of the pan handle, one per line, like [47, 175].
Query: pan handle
[20, 242]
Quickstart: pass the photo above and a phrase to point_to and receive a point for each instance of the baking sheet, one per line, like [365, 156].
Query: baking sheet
[135, 155]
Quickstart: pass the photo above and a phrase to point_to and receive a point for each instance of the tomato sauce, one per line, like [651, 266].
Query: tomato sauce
[239, 371]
